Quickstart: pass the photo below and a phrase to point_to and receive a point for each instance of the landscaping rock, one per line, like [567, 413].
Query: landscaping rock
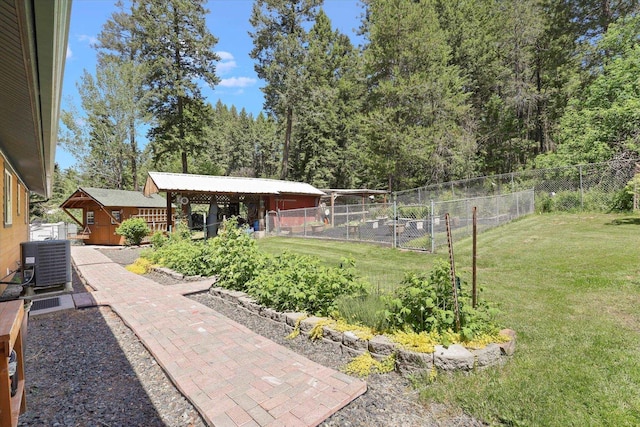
[246, 301]
[411, 362]
[272, 314]
[490, 355]
[332, 334]
[217, 291]
[351, 352]
[509, 347]
[336, 346]
[382, 345]
[170, 273]
[309, 323]
[454, 357]
[292, 318]
[351, 340]
[233, 296]
[379, 357]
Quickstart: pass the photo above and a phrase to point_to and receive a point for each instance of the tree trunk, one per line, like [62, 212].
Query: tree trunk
[287, 140]
[134, 155]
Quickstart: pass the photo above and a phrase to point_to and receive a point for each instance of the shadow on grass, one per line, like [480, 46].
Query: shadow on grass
[625, 221]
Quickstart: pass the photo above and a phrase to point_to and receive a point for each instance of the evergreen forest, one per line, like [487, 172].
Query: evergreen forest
[438, 90]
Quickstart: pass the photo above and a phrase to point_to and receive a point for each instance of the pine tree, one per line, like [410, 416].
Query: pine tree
[417, 121]
[280, 50]
[323, 131]
[178, 50]
[117, 44]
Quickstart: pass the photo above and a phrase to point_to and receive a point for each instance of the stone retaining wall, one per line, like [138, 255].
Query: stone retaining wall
[453, 357]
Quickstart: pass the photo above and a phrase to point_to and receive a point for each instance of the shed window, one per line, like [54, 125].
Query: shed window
[116, 215]
[90, 217]
[8, 198]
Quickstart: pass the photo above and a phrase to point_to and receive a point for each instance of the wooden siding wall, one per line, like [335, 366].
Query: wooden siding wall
[102, 231]
[296, 201]
[18, 231]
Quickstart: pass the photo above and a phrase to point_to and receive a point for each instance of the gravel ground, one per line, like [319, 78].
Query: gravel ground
[86, 368]
[74, 379]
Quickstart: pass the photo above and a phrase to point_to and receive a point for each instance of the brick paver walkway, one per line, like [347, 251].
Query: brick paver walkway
[233, 376]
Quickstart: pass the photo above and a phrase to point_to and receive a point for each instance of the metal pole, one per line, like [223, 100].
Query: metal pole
[474, 259]
[581, 189]
[454, 288]
[433, 230]
[395, 218]
[347, 224]
[304, 224]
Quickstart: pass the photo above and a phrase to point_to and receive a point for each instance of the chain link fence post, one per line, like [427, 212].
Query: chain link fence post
[395, 222]
[581, 189]
[433, 228]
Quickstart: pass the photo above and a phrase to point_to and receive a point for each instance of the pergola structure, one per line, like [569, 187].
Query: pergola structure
[332, 194]
[262, 194]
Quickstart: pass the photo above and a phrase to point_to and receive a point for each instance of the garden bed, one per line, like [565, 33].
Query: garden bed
[452, 358]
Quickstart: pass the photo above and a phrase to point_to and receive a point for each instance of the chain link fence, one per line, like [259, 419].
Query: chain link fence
[415, 220]
[408, 226]
[590, 187]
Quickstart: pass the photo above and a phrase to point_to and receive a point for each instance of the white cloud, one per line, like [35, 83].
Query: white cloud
[225, 67]
[69, 53]
[91, 39]
[237, 82]
[225, 56]
[226, 64]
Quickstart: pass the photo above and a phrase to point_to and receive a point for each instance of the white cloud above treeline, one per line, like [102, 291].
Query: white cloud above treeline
[237, 82]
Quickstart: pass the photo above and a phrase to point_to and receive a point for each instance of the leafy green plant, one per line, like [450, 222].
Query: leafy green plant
[133, 230]
[234, 256]
[289, 282]
[158, 239]
[416, 212]
[183, 256]
[426, 304]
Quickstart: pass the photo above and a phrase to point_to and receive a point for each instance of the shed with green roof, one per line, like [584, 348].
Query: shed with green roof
[102, 210]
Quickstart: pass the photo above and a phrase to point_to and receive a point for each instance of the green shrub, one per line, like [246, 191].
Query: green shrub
[158, 239]
[180, 232]
[183, 256]
[133, 230]
[426, 304]
[622, 200]
[234, 256]
[290, 282]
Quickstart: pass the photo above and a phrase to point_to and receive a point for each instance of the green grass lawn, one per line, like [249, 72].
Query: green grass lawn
[569, 285]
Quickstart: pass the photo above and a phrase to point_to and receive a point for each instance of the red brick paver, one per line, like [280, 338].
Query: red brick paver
[233, 376]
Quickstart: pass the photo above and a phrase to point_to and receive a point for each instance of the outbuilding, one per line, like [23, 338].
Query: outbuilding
[250, 199]
[103, 211]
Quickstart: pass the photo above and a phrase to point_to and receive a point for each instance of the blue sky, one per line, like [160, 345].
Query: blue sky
[228, 20]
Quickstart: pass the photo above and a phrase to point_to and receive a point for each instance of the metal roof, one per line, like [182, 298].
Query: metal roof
[353, 191]
[115, 198]
[33, 47]
[189, 183]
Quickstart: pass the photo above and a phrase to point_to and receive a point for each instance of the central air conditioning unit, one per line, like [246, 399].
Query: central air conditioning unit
[48, 264]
